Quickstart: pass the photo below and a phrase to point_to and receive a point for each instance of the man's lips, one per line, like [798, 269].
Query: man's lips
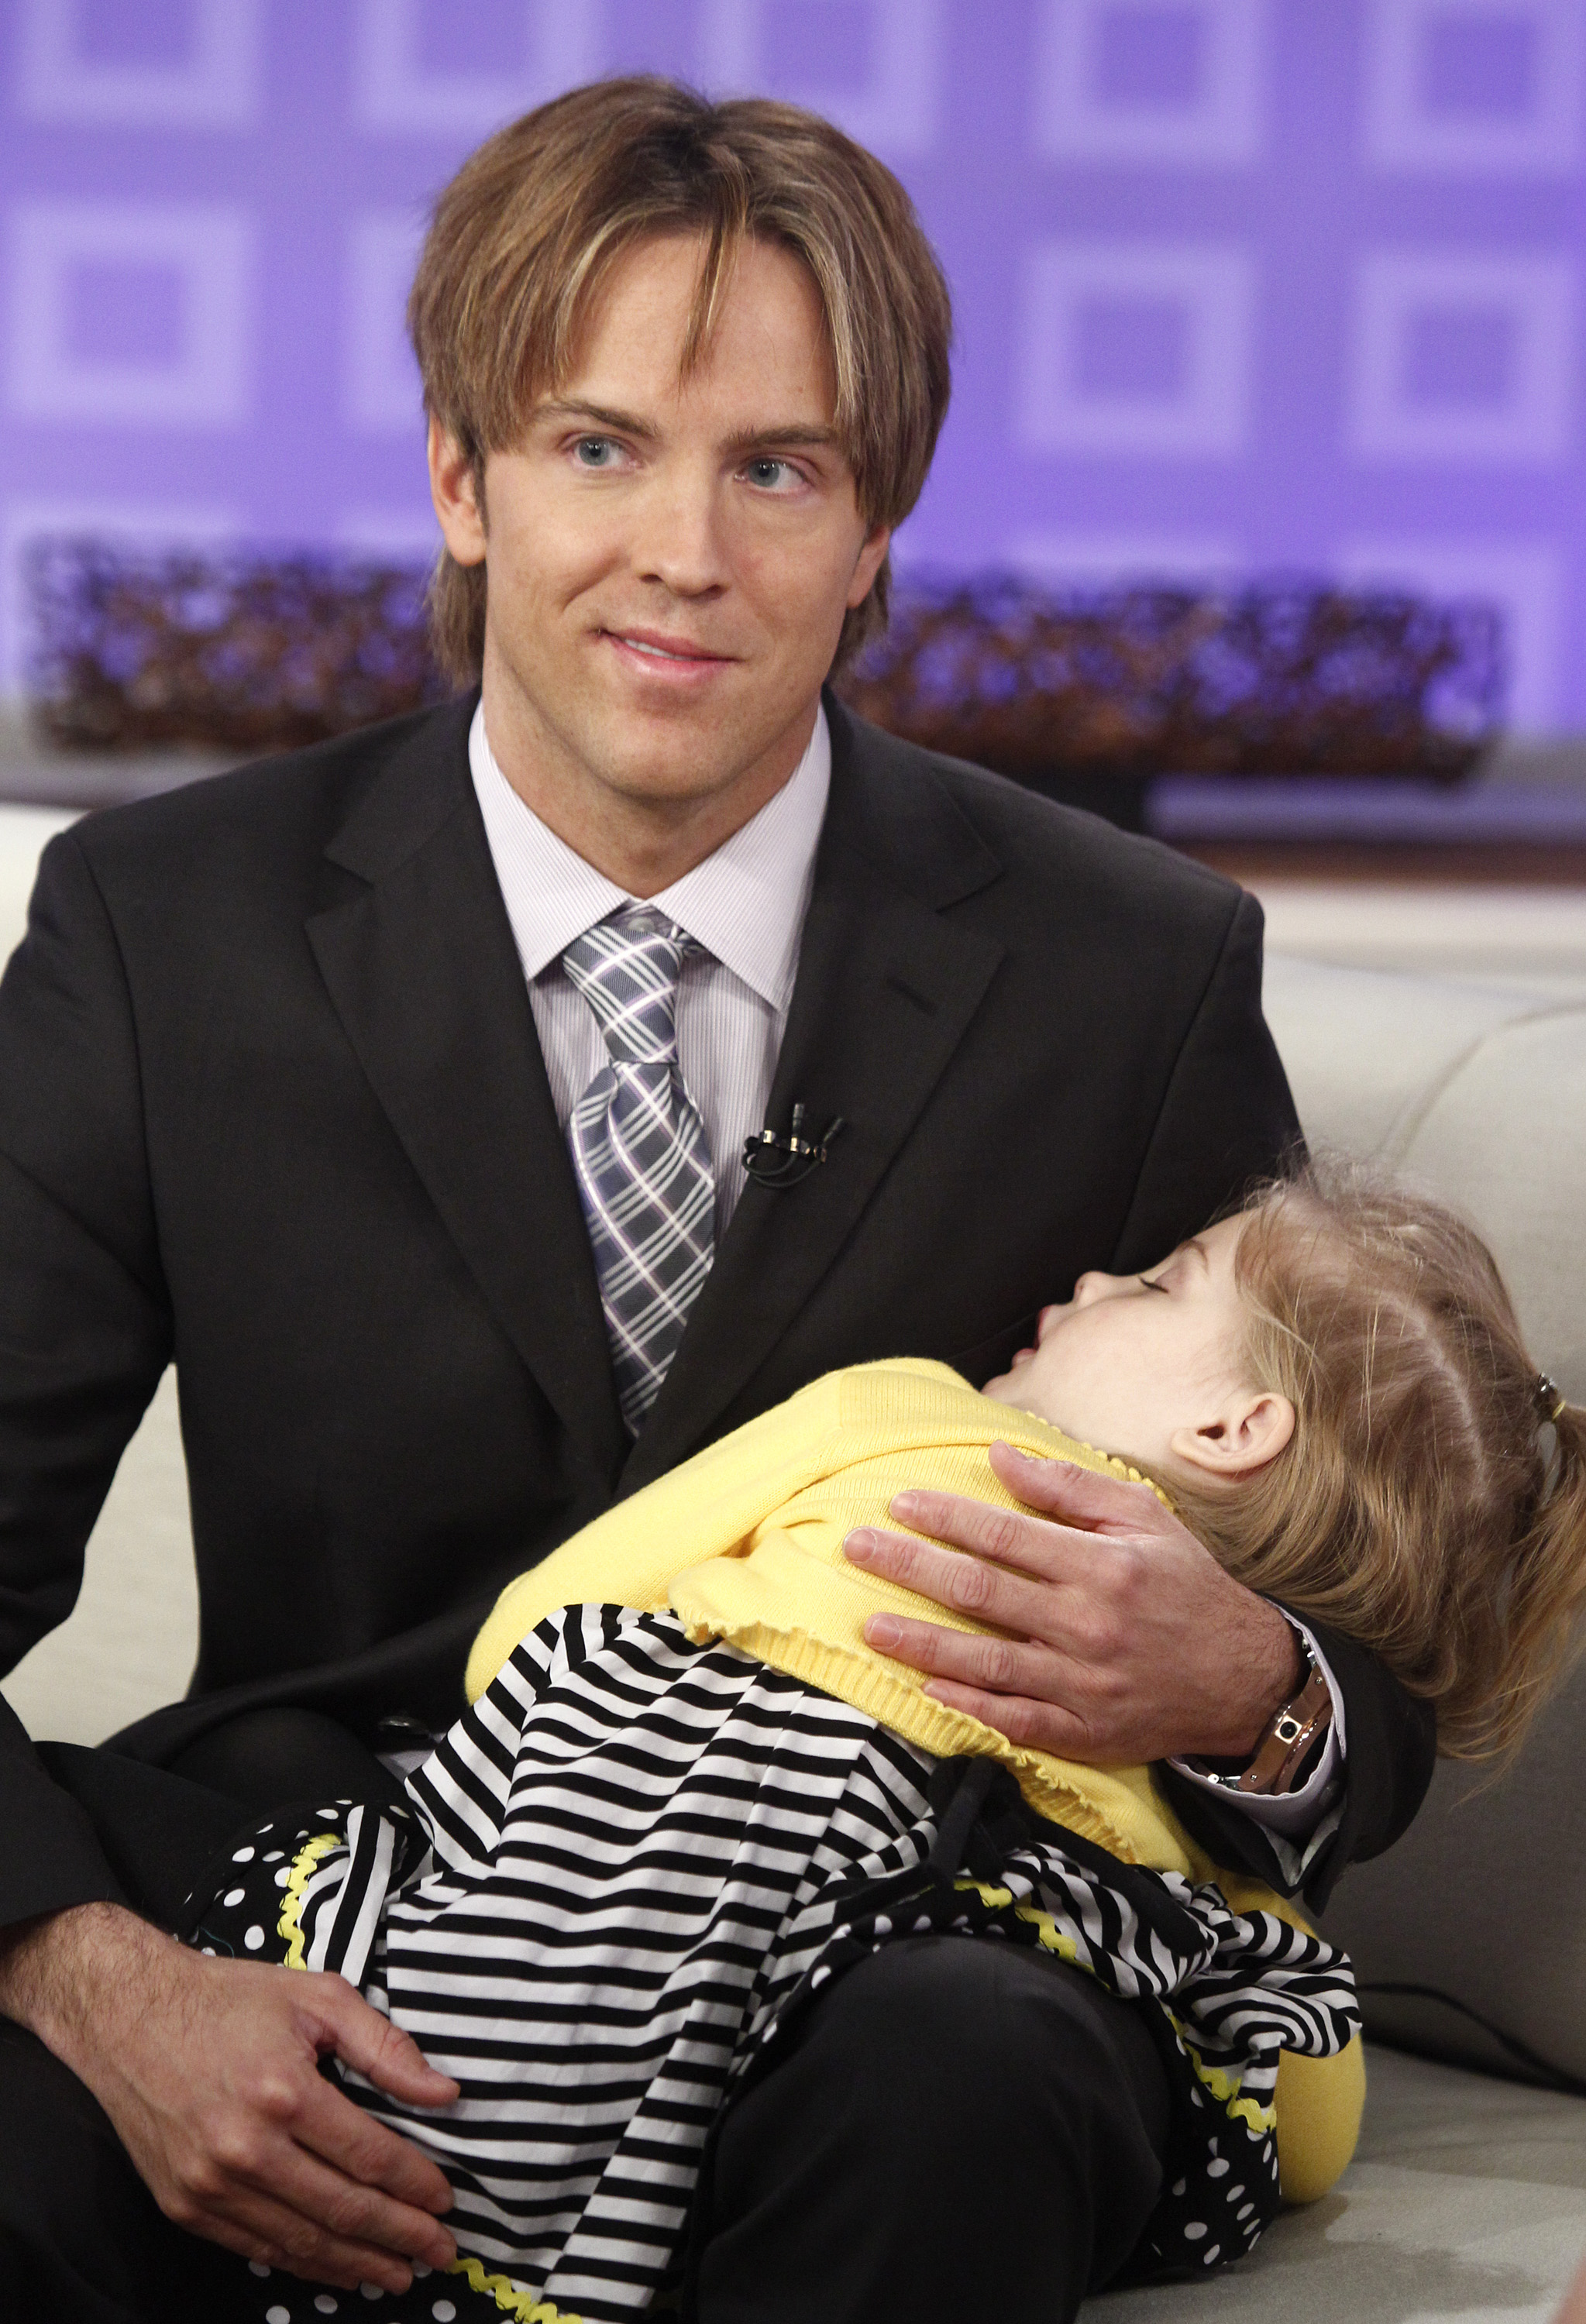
[663, 652]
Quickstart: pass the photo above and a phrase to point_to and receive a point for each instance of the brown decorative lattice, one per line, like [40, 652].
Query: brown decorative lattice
[1134, 683]
[252, 653]
[242, 653]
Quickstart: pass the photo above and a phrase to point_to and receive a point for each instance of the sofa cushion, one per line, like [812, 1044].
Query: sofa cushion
[1483, 1094]
[1480, 1092]
[1467, 2201]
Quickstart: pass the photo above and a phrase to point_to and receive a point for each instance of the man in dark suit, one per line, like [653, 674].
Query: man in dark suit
[297, 1087]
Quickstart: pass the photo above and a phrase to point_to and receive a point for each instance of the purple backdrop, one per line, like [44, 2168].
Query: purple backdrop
[1241, 284]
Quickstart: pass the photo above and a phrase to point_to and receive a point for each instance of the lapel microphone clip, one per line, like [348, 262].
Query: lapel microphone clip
[774, 1161]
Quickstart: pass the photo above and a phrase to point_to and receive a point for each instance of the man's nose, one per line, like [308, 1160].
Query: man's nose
[681, 542]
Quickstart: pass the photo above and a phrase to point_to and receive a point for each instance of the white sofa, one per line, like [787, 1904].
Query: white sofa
[1468, 2197]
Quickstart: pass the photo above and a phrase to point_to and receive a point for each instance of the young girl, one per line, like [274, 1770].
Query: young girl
[688, 1792]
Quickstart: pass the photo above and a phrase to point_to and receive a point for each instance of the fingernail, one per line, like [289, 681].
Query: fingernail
[883, 1630]
[860, 1547]
[904, 1504]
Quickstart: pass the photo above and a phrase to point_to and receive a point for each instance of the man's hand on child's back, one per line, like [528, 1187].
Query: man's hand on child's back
[209, 2071]
[1124, 1639]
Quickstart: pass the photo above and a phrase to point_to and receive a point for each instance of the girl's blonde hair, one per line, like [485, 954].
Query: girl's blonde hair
[529, 228]
[1432, 1501]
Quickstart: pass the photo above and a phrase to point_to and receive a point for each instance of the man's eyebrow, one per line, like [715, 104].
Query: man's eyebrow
[623, 423]
[796, 435]
[799, 436]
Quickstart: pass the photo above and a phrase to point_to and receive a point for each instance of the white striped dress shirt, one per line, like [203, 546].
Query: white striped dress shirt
[744, 905]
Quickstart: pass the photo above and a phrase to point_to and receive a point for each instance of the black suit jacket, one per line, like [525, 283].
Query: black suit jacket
[271, 1103]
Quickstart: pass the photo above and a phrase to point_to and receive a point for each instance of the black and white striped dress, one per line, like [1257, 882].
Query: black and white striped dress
[627, 1870]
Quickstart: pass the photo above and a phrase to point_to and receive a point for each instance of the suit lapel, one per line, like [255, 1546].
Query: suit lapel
[424, 975]
[886, 987]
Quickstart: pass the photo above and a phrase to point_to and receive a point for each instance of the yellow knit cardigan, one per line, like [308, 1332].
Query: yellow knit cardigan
[744, 1543]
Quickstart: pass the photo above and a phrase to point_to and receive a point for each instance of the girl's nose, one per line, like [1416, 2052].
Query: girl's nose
[1094, 1285]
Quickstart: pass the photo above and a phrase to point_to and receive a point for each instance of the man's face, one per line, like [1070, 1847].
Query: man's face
[670, 559]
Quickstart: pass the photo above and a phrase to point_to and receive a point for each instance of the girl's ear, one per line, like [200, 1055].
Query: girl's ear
[1252, 1428]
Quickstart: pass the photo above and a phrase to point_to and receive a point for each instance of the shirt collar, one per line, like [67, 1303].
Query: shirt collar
[745, 903]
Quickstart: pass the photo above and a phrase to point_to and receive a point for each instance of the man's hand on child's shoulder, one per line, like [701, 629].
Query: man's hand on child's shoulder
[1122, 1639]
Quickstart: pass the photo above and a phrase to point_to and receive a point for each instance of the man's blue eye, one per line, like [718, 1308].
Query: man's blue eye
[594, 451]
[766, 472]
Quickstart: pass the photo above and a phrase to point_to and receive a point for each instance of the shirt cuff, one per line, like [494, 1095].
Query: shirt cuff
[1294, 1815]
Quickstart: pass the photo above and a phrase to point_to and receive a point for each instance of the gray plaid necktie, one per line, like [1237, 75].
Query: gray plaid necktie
[640, 1150]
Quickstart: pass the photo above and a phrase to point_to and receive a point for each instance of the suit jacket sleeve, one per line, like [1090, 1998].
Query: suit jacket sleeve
[1227, 1120]
[85, 1329]
[1392, 1744]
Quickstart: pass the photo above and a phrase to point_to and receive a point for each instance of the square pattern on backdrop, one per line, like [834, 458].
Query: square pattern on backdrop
[183, 64]
[1131, 347]
[1483, 86]
[135, 315]
[1151, 80]
[430, 70]
[1464, 358]
[873, 66]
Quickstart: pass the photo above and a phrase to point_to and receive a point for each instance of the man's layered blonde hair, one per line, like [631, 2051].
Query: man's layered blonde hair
[531, 227]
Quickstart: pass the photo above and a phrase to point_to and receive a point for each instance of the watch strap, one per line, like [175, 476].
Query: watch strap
[1291, 1736]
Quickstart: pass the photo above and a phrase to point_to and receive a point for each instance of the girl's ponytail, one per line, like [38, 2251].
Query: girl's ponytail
[1548, 1581]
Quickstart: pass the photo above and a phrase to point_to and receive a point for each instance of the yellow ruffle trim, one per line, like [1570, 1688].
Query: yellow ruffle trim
[523, 2305]
[290, 1924]
[1224, 2090]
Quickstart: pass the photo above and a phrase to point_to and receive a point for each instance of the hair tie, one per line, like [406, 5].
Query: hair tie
[1550, 1401]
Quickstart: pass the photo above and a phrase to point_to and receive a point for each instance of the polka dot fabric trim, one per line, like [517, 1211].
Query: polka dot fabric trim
[266, 2296]
[242, 1918]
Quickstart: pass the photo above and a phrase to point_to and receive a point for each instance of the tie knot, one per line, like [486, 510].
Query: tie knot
[627, 969]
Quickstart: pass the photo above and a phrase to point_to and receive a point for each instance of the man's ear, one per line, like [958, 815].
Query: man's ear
[869, 564]
[1253, 1427]
[453, 489]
